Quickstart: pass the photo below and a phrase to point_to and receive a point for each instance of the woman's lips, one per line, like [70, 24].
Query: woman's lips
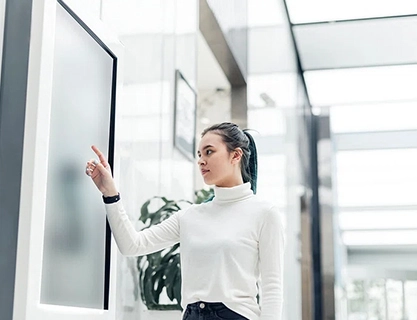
[203, 171]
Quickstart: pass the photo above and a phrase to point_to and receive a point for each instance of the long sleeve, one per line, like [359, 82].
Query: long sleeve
[138, 243]
[271, 256]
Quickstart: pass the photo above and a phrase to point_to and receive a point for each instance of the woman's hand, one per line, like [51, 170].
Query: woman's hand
[100, 173]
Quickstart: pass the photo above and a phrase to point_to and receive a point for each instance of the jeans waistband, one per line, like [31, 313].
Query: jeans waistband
[206, 306]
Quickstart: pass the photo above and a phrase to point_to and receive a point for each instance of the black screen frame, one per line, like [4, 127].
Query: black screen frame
[111, 144]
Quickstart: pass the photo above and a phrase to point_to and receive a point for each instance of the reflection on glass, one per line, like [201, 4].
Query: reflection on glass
[75, 225]
[382, 299]
[376, 299]
[395, 299]
[356, 300]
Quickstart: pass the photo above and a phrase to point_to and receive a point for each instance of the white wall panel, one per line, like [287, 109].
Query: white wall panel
[56, 147]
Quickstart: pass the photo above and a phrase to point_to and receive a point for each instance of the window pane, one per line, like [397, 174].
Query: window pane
[411, 300]
[375, 117]
[395, 299]
[400, 219]
[356, 300]
[376, 299]
[379, 238]
[376, 177]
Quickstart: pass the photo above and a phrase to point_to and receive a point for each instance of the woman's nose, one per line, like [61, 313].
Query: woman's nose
[201, 161]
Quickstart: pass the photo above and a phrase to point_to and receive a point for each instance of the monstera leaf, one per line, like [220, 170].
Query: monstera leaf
[162, 270]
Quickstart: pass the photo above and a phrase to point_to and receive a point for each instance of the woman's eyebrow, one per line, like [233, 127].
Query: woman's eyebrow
[207, 146]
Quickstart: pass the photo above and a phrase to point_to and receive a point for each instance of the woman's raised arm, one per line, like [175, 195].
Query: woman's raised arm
[129, 241]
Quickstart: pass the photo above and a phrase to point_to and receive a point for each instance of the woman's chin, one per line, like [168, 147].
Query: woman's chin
[208, 181]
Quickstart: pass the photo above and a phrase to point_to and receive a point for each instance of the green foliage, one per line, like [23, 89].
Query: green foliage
[204, 195]
[162, 270]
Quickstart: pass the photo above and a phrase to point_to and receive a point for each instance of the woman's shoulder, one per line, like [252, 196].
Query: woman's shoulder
[194, 207]
[263, 204]
[267, 210]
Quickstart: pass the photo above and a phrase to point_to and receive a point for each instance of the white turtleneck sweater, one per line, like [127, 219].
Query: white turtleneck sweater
[226, 244]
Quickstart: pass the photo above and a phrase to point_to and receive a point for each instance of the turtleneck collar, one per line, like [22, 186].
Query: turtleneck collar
[233, 194]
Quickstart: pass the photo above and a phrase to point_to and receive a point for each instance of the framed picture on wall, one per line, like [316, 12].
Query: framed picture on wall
[185, 109]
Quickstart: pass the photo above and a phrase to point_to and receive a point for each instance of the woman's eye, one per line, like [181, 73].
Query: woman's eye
[208, 152]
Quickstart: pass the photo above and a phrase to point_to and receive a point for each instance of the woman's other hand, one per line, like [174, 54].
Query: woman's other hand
[100, 173]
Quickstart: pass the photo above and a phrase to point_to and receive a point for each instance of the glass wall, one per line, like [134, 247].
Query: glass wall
[373, 147]
[382, 299]
[276, 113]
[369, 94]
[376, 209]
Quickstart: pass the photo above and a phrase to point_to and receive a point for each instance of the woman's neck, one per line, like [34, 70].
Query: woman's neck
[232, 194]
[230, 183]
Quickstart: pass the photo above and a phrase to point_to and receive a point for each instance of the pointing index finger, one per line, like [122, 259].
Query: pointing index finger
[100, 155]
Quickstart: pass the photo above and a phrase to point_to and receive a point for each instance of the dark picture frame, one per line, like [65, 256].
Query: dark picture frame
[185, 113]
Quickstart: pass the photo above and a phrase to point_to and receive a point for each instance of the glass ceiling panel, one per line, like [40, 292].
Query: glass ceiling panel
[360, 220]
[378, 238]
[374, 117]
[356, 44]
[376, 178]
[362, 85]
[306, 11]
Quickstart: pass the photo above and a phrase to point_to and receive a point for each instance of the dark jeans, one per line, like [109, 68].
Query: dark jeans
[210, 311]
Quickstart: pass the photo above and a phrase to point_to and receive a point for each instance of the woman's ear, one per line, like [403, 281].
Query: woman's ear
[237, 155]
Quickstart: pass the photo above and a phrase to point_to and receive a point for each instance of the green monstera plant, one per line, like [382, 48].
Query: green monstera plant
[162, 270]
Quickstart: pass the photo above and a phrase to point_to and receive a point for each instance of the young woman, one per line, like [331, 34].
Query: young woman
[226, 244]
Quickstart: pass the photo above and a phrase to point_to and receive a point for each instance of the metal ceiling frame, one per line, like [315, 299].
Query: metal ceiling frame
[353, 20]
